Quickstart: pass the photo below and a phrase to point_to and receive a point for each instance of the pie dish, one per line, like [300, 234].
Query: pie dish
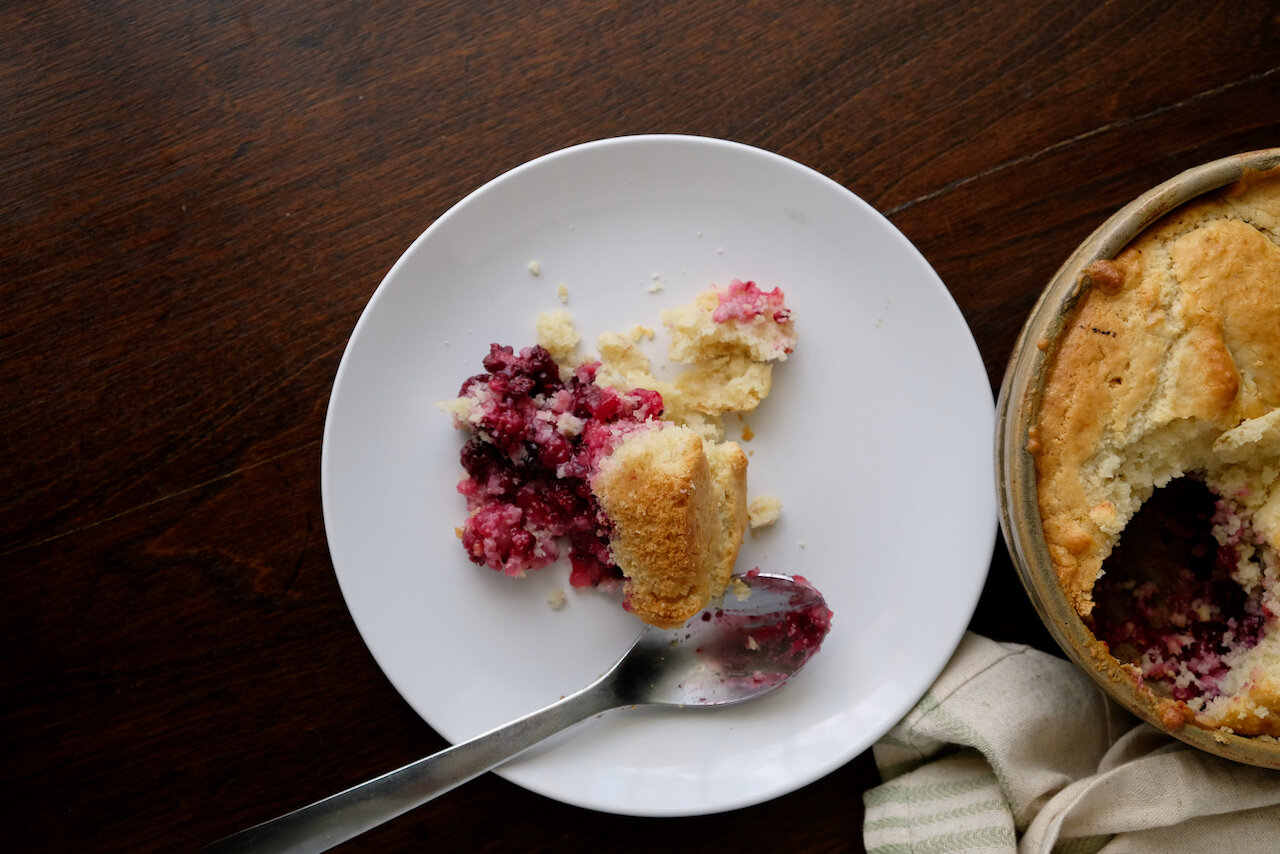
[1139, 376]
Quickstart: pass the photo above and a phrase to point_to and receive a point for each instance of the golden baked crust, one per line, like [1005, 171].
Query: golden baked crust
[1173, 343]
[1170, 365]
[678, 507]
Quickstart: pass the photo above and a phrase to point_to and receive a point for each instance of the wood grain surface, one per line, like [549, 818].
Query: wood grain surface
[199, 199]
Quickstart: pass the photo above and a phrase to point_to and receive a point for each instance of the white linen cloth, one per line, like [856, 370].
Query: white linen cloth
[1015, 750]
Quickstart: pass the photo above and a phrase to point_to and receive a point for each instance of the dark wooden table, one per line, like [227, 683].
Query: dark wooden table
[197, 201]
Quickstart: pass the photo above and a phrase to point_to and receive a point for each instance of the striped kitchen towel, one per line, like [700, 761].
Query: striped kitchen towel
[1014, 750]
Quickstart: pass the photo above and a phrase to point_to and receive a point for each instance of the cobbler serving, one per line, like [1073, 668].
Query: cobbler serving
[627, 473]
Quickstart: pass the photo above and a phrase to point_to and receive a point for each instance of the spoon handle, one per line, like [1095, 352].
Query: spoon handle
[340, 817]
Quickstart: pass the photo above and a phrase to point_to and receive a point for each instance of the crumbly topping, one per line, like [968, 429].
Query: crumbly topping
[763, 510]
[1169, 367]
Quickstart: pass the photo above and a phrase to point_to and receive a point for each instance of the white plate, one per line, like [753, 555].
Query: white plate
[877, 438]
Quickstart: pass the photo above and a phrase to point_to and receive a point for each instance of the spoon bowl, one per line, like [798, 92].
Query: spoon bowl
[761, 634]
[764, 629]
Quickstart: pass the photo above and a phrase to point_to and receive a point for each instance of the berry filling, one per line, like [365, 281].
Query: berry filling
[791, 634]
[1170, 602]
[536, 441]
[744, 301]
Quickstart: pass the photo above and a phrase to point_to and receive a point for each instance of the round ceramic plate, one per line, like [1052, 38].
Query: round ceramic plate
[876, 437]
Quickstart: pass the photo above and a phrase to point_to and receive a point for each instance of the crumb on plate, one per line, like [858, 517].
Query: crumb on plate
[763, 510]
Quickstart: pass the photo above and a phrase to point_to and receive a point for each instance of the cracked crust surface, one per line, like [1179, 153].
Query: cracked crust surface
[1172, 344]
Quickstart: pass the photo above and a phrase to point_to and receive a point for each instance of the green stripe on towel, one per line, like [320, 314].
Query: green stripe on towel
[966, 840]
[991, 805]
[891, 793]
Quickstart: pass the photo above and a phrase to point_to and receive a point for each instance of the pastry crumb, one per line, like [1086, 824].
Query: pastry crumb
[535, 267]
[763, 510]
[557, 600]
[558, 336]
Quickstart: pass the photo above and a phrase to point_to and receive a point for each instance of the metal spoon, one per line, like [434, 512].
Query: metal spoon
[757, 637]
